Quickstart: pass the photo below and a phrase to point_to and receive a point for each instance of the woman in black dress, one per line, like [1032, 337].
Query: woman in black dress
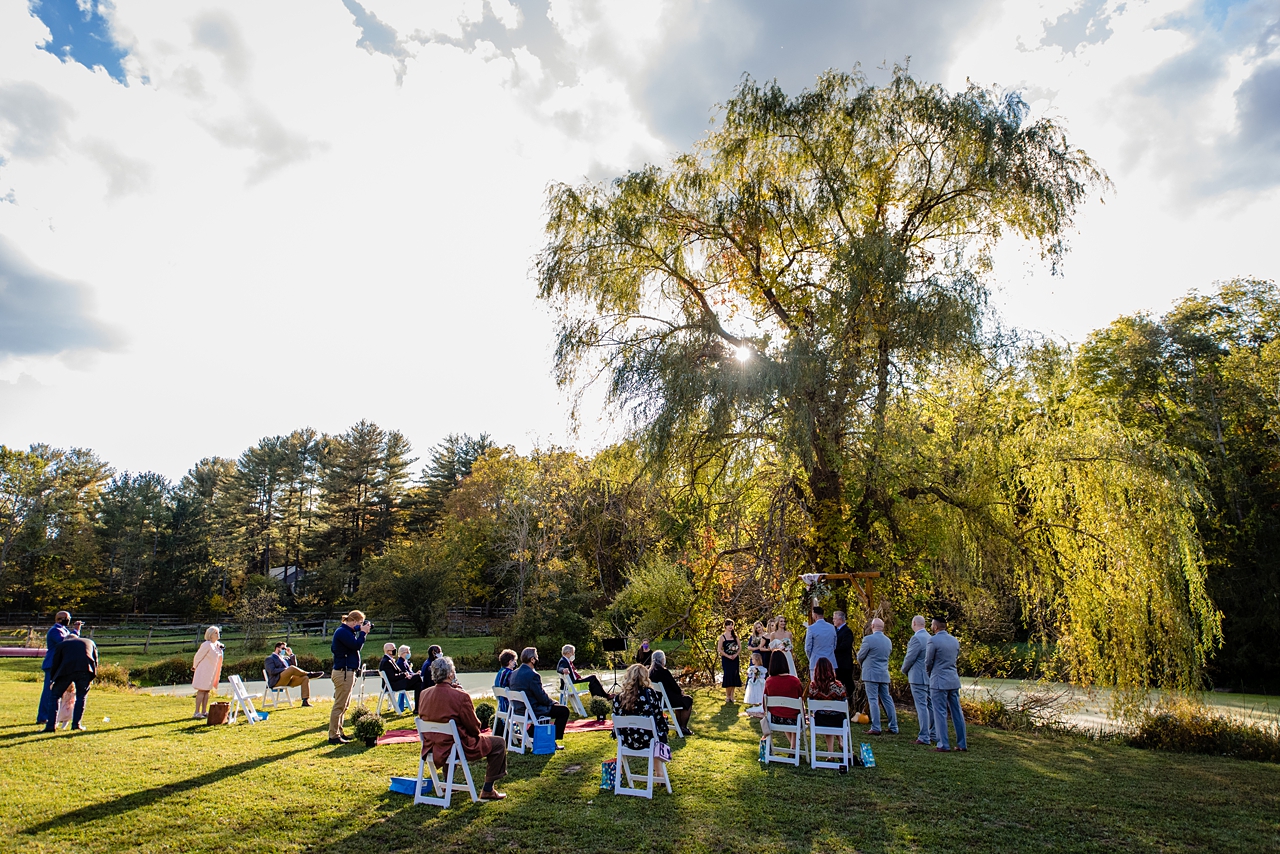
[728, 648]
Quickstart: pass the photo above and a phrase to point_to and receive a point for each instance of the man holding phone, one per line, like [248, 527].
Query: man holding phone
[61, 629]
[347, 641]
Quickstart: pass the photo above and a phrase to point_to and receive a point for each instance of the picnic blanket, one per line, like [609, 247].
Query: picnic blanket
[410, 736]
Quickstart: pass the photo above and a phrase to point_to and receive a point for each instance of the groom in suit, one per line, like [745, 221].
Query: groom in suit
[844, 655]
[61, 629]
[913, 666]
[75, 663]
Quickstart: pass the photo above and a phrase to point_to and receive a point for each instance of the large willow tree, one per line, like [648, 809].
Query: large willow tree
[772, 286]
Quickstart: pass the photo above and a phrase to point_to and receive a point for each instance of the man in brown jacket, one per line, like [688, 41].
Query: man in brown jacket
[444, 702]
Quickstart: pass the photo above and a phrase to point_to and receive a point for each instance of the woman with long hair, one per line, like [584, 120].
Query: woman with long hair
[728, 648]
[637, 697]
[780, 642]
[825, 686]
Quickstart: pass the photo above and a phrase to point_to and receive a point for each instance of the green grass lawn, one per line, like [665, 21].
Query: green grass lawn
[153, 780]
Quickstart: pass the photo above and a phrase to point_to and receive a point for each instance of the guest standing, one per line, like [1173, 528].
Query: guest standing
[728, 649]
[75, 663]
[944, 685]
[913, 664]
[873, 655]
[347, 641]
[208, 670]
[61, 629]
[444, 702]
[644, 655]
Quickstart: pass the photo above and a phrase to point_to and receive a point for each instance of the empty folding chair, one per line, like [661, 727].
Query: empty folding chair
[242, 701]
[624, 753]
[824, 758]
[442, 785]
[773, 752]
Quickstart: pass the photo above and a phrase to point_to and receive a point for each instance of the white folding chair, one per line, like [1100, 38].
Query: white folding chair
[624, 752]
[442, 786]
[519, 735]
[242, 701]
[274, 693]
[774, 753]
[822, 758]
[501, 715]
[571, 695]
[668, 709]
[390, 695]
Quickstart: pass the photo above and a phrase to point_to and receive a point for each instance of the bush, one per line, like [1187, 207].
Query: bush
[478, 662]
[485, 712]
[112, 675]
[1033, 707]
[369, 726]
[356, 712]
[1185, 726]
[167, 671]
[598, 707]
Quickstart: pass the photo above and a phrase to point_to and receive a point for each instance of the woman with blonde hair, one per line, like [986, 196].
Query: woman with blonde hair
[637, 697]
[208, 669]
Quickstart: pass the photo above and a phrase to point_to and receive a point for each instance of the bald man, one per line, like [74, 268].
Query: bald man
[918, 678]
[873, 655]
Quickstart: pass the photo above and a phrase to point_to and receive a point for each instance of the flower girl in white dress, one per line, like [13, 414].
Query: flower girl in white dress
[756, 675]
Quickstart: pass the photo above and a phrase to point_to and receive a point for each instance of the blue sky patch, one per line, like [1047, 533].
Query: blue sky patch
[80, 34]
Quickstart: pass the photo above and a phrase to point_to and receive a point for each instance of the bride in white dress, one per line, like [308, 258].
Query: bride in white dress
[780, 639]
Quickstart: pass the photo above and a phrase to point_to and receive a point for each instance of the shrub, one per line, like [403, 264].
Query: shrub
[1036, 707]
[112, 675]
[598, 707]
[356, 712]
[1185, 726]
[477, 662]
[485, 712]
[369, 726]
[167, 671]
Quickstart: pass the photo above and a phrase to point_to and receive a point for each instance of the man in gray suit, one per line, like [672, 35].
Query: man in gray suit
[944, 685]
[918, 679]
[819, 641]
[873, 655]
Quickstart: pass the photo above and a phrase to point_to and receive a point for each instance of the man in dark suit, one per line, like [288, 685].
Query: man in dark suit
[74, 663]
[61, 629]
[844, 655]
[526, 679]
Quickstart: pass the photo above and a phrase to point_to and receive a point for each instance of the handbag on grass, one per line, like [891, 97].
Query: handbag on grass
[661, 752]
[868, 760]
[608, 773]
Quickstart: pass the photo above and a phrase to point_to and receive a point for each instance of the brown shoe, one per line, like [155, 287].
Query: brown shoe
[492, 795]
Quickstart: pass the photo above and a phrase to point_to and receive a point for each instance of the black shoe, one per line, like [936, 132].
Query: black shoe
[306, 704]
[316, 674]
[342, 739]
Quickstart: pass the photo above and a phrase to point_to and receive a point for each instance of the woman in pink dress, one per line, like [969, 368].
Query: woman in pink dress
[208, 668]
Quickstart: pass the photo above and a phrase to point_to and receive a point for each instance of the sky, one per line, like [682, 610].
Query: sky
[227, 220]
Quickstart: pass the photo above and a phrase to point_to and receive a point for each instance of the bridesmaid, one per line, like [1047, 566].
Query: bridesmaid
[728, 648]
[208, 668]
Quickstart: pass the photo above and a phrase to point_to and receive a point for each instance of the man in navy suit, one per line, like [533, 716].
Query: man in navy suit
[75, 663]
[61, 629]
[526, 679]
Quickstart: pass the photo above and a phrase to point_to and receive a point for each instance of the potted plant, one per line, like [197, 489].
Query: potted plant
[369, 727]
[599, 707]
[485, 713]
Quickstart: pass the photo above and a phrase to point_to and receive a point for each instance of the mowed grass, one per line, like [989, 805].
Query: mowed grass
[153, 780]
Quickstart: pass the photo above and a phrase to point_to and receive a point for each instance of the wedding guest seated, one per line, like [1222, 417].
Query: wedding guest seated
[433, 652]
[400, 673]
[825, 686]
[506, 666]
[444, 702]
[526, 679]
[283, 672]
[682, 705]
[637, 697]
[567, 654]
[781, 683]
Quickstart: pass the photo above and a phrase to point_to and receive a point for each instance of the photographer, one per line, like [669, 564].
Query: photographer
[347, 641]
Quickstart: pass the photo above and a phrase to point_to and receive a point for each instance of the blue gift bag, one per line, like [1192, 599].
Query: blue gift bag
[868, 760]
[544, 739]
[608, 773]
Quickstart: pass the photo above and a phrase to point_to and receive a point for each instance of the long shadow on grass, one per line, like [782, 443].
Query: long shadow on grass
[147, 797]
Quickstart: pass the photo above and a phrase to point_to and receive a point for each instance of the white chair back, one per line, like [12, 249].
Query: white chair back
[571, 695]
[519, 722]
[273, 694]
[623, 770]
[391, 696]
[500, 714]
[824, 758]
[442, 786]
[241, 701]
[668, 709]
[774, 752]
